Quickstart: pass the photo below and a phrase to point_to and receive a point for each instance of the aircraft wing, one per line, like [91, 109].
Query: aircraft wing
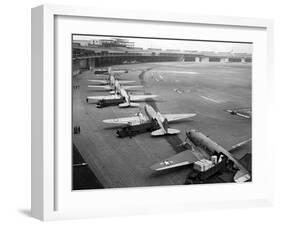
[134, 120]
[237, 146]
[106, 87]
[131, 87]
[125, 81]
[120, 71]
[175, 117]
[141, 97]
[243, 115]
[98, 81]
[110, 97]
[180, 159]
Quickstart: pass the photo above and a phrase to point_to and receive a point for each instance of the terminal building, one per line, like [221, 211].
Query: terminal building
[88, 54]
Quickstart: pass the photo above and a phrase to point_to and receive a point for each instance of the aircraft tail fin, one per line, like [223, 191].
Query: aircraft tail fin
[161, 132]
[130, 104]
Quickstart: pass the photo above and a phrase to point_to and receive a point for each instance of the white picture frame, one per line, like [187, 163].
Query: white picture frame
[45, 162]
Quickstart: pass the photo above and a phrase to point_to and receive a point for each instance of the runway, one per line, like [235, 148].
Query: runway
[205, 89]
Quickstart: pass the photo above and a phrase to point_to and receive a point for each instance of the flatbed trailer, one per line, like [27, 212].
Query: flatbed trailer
[132, 130]
[113, 102]
[196, 177]
[213, 170]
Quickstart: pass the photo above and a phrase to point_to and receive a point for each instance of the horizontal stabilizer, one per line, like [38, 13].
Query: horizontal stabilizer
[161, 132]
[173, 131]
[241, 176]
[125, 105]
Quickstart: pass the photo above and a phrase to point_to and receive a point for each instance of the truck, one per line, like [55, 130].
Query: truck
[198, 176]
[110, 102]
[132, 130]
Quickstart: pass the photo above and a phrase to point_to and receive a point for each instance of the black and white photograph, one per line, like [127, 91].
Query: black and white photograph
[156, 112]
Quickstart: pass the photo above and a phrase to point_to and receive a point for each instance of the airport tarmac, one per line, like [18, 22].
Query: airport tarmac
[205, 89]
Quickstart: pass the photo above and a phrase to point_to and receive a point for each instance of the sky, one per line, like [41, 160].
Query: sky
[180, 44]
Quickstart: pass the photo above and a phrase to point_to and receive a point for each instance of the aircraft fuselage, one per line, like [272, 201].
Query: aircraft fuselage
[152, 114]
[201, 140]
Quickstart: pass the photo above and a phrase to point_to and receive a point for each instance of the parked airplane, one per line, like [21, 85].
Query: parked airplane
[127, 100]
[112, 84]
[242, 112]
[161, 119]
[105, 71]
[197, 139]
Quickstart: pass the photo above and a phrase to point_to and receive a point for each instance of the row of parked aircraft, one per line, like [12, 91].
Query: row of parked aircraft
[196, 140]
[118, 90]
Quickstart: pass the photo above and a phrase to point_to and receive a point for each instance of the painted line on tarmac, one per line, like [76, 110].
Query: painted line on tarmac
[178, 72]
[212, 100]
